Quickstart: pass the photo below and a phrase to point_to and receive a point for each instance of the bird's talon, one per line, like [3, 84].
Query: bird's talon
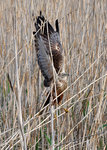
[66, 110]
[55, 117]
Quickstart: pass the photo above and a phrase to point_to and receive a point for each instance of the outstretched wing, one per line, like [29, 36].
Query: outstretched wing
[53, 40]
[44, 61]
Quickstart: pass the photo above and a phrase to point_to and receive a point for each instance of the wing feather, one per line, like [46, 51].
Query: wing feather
[43, 43]
[43, 60]
[56, 48]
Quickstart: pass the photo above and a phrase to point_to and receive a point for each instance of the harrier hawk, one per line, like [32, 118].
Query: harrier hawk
[50, 56]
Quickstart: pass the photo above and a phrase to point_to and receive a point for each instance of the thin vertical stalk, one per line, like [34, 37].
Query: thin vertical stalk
[19, 89]
[52, 107]
[23, 138]
[52, 125]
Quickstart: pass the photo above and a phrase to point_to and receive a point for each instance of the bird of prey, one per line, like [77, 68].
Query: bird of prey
[50, 57]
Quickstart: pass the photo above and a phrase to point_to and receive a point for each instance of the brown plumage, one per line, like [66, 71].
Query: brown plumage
[48, 48]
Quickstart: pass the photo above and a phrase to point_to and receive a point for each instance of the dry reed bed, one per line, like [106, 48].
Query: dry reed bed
[83, 32]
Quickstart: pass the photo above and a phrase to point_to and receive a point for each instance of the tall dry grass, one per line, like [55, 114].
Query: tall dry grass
[83, 31]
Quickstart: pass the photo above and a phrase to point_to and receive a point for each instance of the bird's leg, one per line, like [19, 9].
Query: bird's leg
[65, 109]
[55, 116]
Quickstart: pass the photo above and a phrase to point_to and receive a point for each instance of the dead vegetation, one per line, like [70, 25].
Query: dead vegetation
[83, 31]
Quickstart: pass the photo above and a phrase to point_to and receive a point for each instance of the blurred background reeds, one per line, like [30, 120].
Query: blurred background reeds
[83, 33]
